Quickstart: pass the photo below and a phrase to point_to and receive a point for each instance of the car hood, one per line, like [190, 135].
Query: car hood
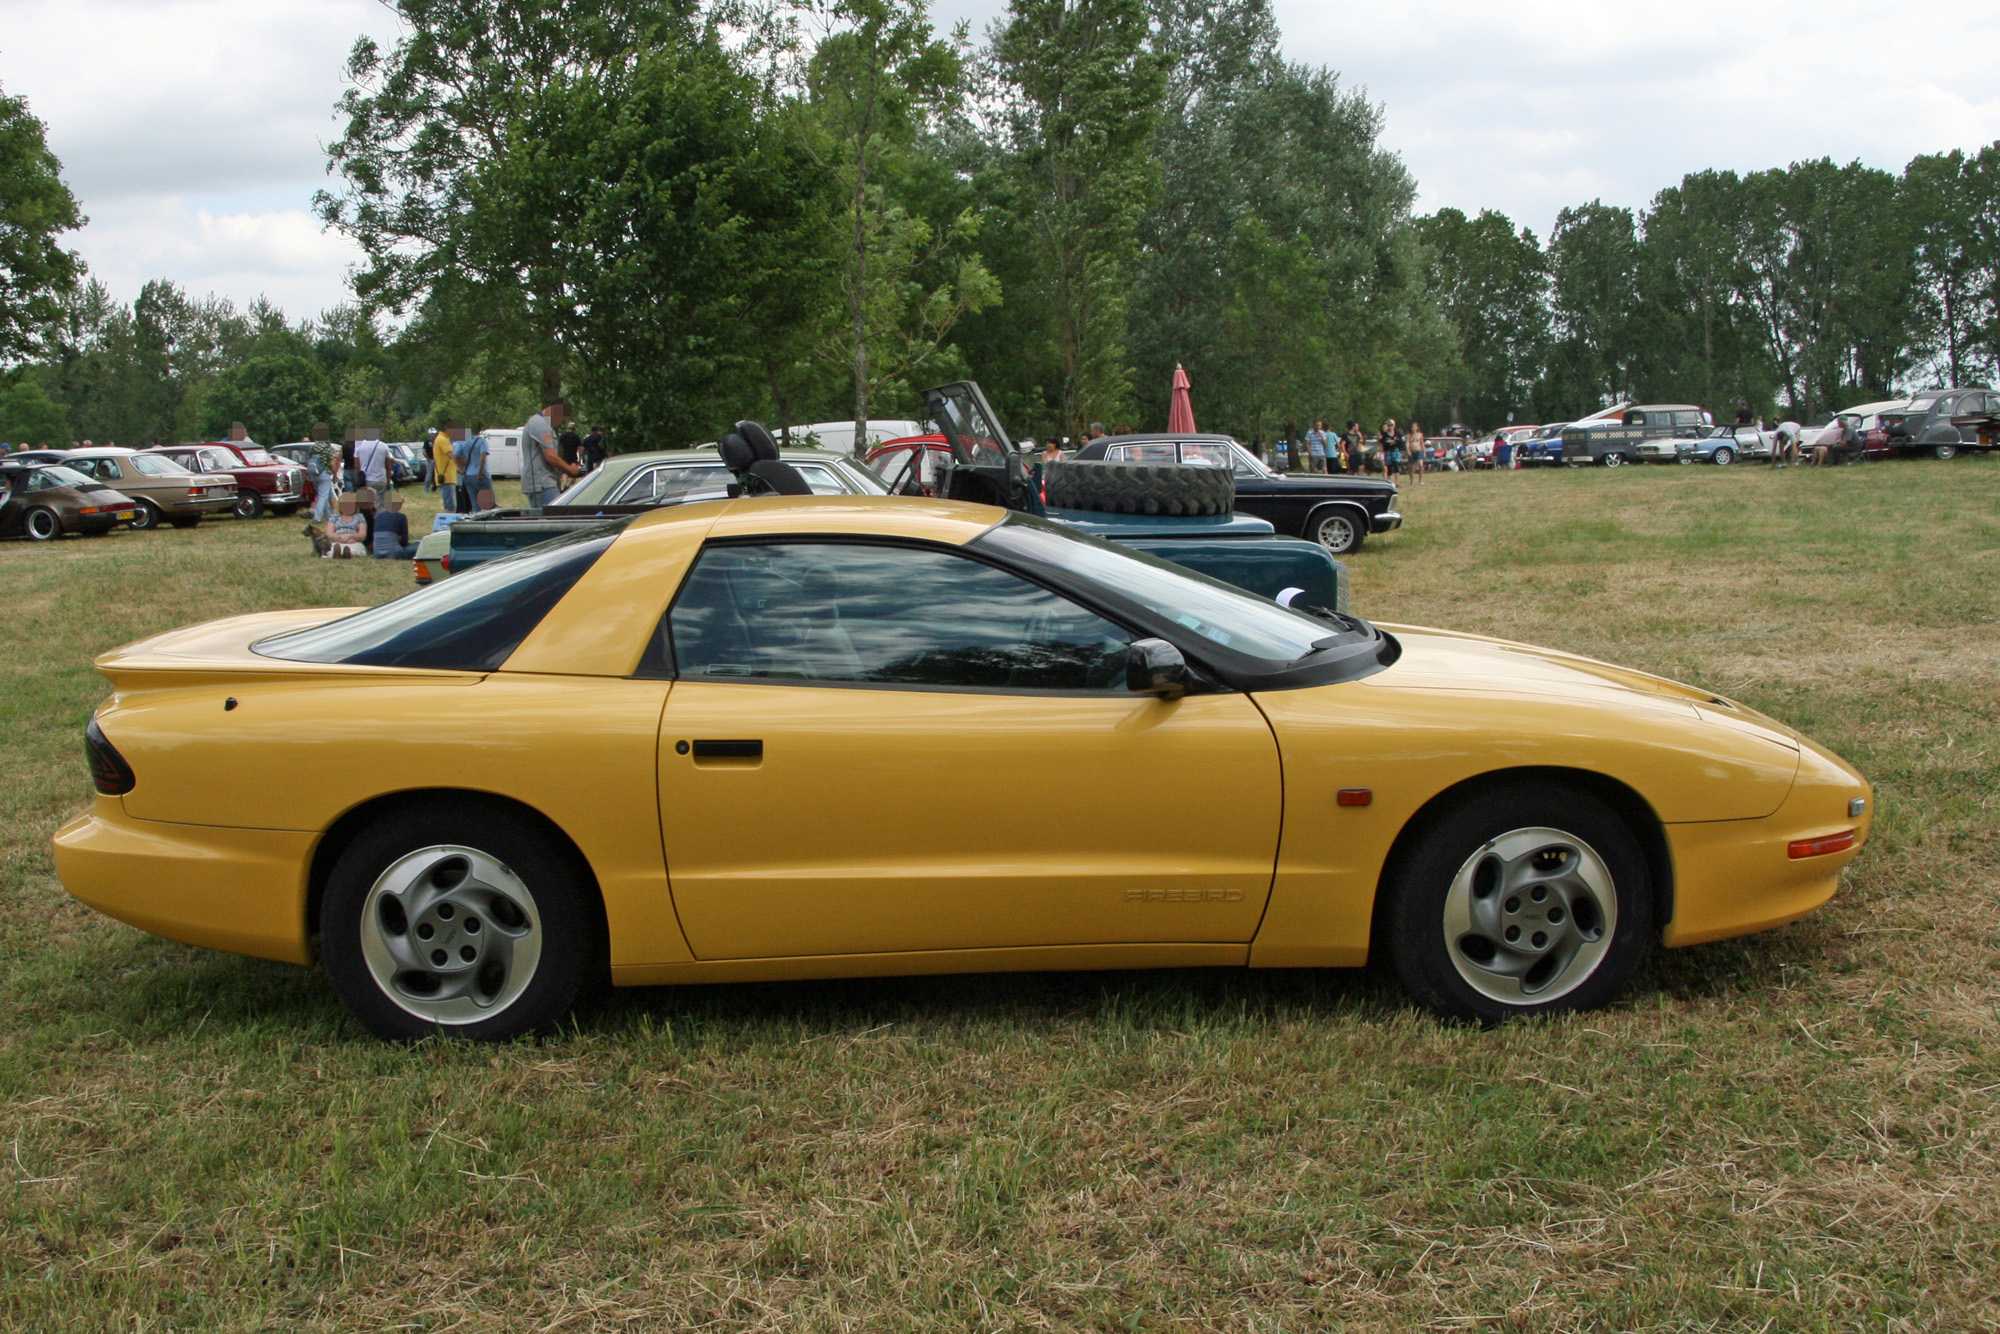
[1439, 660]
[1342, 485]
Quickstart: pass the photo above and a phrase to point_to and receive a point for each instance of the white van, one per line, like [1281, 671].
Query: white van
[503, 452]
[839, 436]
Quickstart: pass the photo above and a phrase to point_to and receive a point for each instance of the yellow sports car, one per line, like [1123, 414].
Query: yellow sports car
[762, 738]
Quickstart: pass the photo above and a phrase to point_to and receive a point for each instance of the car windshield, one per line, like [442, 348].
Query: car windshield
[155, 466]
[470, 623]
[1223, 615]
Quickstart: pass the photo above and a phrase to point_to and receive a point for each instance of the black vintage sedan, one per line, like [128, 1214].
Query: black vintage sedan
[1335, 510]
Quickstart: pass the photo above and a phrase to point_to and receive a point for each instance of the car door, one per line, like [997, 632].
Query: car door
[1037, 801]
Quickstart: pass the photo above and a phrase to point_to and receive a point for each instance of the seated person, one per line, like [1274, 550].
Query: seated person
[391, 535]
[347, 530]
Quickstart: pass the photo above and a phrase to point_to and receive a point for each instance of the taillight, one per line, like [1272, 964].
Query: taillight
[423, 574]
[108, 769]
[1821, 846]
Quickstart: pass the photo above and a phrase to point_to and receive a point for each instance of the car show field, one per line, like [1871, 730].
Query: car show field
[1794, 1130]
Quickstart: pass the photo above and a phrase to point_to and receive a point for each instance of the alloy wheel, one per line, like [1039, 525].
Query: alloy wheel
[450, 934]
[1338, 533]
[1530, 916]
[42, 525]
[1725, 456]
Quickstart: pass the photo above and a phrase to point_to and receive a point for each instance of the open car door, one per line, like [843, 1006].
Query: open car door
[985, 470]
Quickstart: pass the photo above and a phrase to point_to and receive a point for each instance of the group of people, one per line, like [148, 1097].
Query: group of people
[1389, 452]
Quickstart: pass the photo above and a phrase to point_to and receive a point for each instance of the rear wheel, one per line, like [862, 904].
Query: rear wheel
[1614, 460]
[1725, 456]
[1339, 531]
[1945, 451]
[1521, 901]
[41, 524]
[148, 517]
[1685, 460]
[249, 504]
[456, 920]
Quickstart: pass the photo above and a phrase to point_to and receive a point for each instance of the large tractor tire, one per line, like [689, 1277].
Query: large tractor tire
[1140, 488]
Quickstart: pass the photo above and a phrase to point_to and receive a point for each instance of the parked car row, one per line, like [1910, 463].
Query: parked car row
[50, 492]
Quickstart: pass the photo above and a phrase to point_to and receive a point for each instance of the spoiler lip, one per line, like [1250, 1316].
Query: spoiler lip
[219, 651]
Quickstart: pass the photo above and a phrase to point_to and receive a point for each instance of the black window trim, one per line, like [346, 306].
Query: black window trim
[659, 662]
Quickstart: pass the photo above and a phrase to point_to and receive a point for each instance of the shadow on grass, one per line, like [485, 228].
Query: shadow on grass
[149, 990]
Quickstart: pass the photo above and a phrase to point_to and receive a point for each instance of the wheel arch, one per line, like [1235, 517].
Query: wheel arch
[349, 825]
[1628, 804]
[1314, 514]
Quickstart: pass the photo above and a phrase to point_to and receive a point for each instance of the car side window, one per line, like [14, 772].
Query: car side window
[894, 466]
[879, 614]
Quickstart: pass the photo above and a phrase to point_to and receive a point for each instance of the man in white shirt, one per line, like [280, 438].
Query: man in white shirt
[372, 458]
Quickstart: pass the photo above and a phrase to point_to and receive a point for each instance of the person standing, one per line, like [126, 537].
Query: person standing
[444, 470]
[1418, 445]
[570, 445]
[475, 470]
[321, 461]
[542, 468]
[593, 449]
[371, 457]
[1316, 447]
[350, 469]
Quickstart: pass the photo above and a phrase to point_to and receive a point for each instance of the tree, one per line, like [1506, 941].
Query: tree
[1593, 263]
[1083, 94]
[35, 208]
[874, 83]
[1491, 283]
[278, 396]
[1949, 201]
[29, 416]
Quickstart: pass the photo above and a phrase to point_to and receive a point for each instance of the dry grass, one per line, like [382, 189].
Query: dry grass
[1794, 1132]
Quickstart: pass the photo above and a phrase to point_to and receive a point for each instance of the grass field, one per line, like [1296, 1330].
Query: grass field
[1792, 1132]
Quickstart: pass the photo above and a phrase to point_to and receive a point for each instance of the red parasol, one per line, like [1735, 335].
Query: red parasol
[1180, 413]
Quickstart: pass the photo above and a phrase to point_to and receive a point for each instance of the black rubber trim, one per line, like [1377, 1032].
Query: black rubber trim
[728, 750]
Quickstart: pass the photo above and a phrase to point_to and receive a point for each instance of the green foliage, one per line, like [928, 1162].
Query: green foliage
[35, 208]
[1594, 272]
[1491, 285]
[278, 396]
[29, 416]
[1951, 204]
[1083, 97]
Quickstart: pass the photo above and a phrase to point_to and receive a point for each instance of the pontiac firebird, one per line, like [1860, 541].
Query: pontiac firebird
[764, 738]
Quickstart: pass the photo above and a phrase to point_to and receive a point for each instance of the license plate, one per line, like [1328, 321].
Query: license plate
[124, 515]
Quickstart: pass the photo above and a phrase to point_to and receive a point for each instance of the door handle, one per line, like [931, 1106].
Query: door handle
[729, 750]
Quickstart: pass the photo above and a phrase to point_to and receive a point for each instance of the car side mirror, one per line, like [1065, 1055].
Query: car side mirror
[1155, 667]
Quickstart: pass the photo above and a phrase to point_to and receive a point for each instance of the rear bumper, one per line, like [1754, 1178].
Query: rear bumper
[240, 890]
[1386, 521]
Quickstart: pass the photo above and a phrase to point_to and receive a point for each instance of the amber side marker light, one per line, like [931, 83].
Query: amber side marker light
[1825, 843]
[108, 769]
[1355, 796]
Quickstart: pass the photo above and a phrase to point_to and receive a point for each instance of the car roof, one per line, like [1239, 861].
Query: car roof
[949, 521]
[1142, 436]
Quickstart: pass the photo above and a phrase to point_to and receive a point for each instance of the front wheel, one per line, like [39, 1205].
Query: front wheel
[1339, 532]
[1521, 901]
[1945, 451]
[41, 524]
[249, 504]
[1724, 457]
[455, 920]
[1614, 460]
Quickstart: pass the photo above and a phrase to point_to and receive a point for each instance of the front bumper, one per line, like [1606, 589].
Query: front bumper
[285, 497]
[1735, 877]
[1386, 521]
[240, 890]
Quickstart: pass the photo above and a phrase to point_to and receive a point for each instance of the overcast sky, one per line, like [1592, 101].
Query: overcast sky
[193, 131]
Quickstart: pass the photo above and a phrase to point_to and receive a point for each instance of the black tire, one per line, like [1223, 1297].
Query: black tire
[1724, 457]
[1337, 528]
[1614, 460]
[1140, 488]
[1944, 451]
[249, 504]
[1466, 847]
[563, 917]
[41, 524]
[148, 517]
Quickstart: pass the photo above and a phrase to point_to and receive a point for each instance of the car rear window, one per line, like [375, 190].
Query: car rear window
[471, 622]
